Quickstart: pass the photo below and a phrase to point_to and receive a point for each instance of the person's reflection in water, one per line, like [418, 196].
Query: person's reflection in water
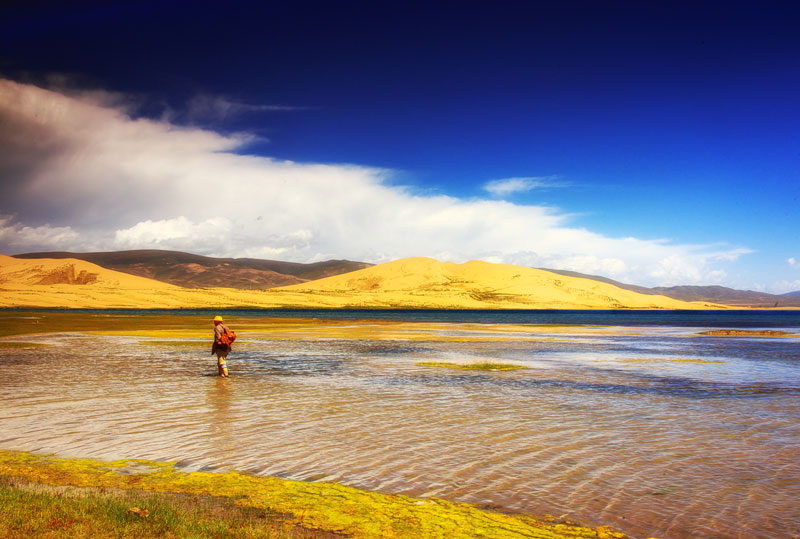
[220, 431]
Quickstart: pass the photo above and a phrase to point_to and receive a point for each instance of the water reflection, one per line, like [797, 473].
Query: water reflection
[220, 433]
[663, 435]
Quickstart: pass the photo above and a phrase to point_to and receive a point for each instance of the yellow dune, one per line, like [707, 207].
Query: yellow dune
[406, 283]
[428, 283]
[69, 282]
[69, 271]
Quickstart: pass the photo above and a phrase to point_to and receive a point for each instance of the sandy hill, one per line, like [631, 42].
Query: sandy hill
[427, 283]
[407, 283]
[68, 271]
[196, 271]
[73, 283]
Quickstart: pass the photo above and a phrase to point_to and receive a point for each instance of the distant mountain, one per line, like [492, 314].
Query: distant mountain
[728, 296]
[631, 287]
[713, 294]
[195, 271]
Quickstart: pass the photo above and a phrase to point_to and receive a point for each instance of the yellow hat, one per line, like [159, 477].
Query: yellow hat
[217, 319]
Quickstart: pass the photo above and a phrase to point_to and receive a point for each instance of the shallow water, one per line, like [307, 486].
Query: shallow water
[654, 430]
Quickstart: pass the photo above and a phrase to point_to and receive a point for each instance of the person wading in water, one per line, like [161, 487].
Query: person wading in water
[223, 338]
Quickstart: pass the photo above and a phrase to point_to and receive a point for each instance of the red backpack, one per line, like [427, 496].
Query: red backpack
[227, 337]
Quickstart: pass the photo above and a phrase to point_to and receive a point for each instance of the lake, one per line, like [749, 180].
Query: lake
[628, 418]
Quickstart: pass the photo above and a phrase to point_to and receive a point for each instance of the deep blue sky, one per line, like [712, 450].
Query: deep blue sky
[658, 120]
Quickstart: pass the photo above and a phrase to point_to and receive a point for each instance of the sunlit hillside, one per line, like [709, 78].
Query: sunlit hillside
[73, 283]
[427, 283]
[406, 283]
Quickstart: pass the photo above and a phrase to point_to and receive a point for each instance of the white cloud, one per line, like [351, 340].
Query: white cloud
[77, 172]
[218, 109]
[172, 233]
[510, 186]
[792, 262]
[41, 238]
[783, 287]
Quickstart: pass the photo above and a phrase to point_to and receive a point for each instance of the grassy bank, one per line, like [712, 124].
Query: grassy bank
[38, 510]
[49, 497]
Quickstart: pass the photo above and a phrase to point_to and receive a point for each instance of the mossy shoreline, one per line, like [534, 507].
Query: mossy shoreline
[480, 366]
[241, 505]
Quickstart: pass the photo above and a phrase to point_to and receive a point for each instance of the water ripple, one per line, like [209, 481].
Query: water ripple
[664, 435]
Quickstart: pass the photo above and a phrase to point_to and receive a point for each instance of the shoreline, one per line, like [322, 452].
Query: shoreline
[327, 508]
[390, 324]
[357, 308]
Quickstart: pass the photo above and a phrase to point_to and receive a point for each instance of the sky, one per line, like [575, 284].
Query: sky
[655, 143]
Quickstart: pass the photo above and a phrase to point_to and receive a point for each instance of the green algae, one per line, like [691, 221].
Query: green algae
[662, 491]
[155, 333]
[194, 344]
[327, 507]
[170, 327]
[472, 366]
[745, 333]
[696, 361]
[41, 322]
[19, 344]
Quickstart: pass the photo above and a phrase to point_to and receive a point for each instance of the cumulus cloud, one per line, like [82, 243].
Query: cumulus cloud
[79, 173]
[510, 186]
[792, 262]
[173, 233]
[44, 238]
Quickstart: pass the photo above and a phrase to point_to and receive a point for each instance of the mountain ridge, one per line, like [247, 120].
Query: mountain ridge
[197, 271]
[710, 293]
[415, 283]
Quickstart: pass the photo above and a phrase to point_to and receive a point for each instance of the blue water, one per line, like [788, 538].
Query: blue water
[711, 319]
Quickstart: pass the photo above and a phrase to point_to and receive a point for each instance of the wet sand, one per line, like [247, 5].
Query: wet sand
[656, 431]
